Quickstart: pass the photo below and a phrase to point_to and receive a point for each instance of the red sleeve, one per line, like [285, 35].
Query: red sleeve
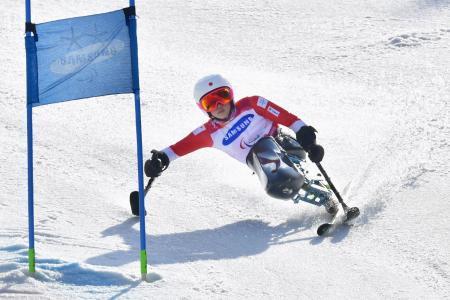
[271, 111]
[197, 139]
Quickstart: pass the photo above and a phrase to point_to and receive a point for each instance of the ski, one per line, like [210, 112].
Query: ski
[343, 216]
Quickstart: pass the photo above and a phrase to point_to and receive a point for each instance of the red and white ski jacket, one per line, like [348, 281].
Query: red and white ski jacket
[253, 118]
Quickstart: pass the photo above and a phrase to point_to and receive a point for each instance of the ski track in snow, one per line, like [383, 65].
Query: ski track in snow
[415, 39]
[374, 80]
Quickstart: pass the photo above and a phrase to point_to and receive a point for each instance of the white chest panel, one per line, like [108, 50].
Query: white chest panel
[237, 137]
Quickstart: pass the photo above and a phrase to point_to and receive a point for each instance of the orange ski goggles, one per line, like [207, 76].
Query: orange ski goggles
[223, 95]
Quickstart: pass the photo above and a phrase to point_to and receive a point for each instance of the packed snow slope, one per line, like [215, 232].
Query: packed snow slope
[371, 76]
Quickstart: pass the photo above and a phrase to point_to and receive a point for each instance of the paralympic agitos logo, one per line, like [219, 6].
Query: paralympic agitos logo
[237, 129]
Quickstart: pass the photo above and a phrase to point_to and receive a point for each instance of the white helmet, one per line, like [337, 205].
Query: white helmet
[208, 84]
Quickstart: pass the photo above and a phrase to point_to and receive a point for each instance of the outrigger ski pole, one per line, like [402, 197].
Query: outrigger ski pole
[350, 212]
[134, 197]
[333, 188]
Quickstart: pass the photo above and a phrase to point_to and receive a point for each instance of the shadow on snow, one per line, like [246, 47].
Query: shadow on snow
[239, 239]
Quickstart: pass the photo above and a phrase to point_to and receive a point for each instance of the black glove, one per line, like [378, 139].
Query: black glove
[157, 164]
[316, 153]
[306, 136]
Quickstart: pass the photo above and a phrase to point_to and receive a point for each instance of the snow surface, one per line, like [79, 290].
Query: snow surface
[371, 76]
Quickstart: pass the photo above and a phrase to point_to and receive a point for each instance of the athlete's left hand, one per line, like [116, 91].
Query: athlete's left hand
[316, 153]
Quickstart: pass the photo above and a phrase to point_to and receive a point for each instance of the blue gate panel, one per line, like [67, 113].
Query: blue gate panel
[83, 57]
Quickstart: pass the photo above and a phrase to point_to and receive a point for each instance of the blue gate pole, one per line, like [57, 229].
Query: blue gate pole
[137, 104]
[31, 252]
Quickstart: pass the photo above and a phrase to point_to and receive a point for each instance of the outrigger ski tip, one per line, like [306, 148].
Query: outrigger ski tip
[343, 216]
[134, 198]
[134, 203]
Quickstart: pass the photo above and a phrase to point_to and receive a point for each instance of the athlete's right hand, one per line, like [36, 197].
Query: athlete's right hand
[157, 164]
